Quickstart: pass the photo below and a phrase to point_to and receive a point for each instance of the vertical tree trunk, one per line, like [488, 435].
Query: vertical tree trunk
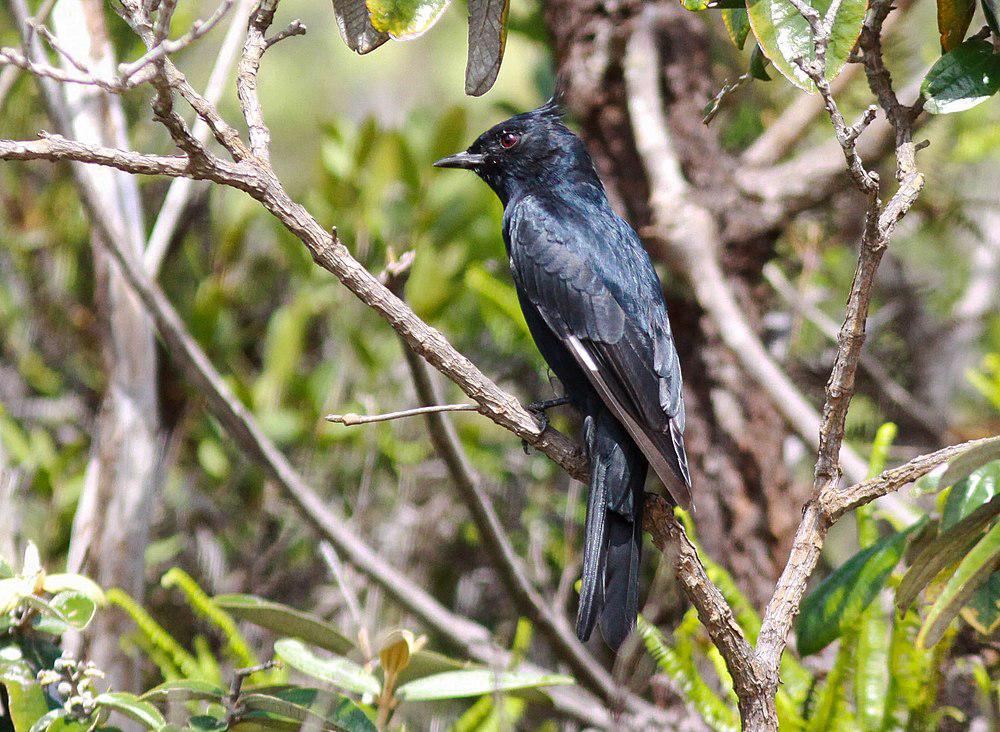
[735, 436]
[111, 527]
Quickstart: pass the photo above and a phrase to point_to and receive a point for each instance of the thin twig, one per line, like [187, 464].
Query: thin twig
[350, 419]
[163, 47]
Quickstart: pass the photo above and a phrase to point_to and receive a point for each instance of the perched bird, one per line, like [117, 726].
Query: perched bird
[596, 311]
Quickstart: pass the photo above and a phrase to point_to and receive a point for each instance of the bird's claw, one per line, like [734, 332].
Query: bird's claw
[539, 410]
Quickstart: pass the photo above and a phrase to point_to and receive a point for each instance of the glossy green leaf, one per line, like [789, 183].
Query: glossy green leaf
[953, 18]
[404, 19]
[182, 690]
[838, 601]
[945, 550]
[968, 461]
[487, 39]
[285, 621]
[341, 672]
[737, 24]
[970, 493]
[961, 79]
[475, 682]
[784, 35]
[973, 571]
[132, 706]
[338, 712]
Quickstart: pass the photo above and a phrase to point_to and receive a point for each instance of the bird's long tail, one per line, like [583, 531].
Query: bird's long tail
[613, 541]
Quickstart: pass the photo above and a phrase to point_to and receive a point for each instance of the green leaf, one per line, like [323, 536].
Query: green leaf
[784, 35]
[953, 18]
[963, 465]
[948, 548]
[183, 690]
[341, 672]
[972, 572]
[47, 720]
[758, 64]
[425, 663]
[285, 621]
[982, 611]
[356, 26]
[336, 709]
[56, 583]
[207, 722]
[838, 601]
[404, 19]
[26, 703]
[6, 571]
[737, 24]
[475, 682]
[961, 79]
[487, 38]
[78, 610]
[346, 715]
[970, 493]
[992, 12]
[132, 706]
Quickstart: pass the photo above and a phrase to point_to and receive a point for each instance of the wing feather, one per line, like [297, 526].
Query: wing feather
[629, 358]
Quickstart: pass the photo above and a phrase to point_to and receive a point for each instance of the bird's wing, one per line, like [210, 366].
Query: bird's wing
[628, 356]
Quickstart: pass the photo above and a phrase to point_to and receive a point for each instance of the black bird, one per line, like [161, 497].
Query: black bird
[596, 311]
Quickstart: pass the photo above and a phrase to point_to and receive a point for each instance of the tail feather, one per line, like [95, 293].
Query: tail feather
[613, 541]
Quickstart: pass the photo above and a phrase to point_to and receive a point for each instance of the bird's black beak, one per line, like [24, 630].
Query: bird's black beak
[467, 160]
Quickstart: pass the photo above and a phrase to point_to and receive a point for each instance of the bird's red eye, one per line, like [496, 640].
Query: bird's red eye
[508, 140]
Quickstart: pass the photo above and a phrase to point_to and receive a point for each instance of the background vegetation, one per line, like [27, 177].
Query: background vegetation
[353, 140]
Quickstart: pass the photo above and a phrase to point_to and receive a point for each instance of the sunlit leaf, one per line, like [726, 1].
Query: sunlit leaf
[182, 690]
[56, 583]
[838, 601]
[47, 720]
[78, 610]
[970, 493]
[487, 38]
[962, 78]
[341, 672]
[475, 682]
[785, 36]
[953, 18]
[356, 26]
[132, 706]
[285, 621]
[973, 571]
[970, 460]
[26, 703]
[404, 19]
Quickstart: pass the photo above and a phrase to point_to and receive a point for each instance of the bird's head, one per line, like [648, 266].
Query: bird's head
[530, 149]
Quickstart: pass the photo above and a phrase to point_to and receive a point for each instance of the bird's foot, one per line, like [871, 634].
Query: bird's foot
[539, 410]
